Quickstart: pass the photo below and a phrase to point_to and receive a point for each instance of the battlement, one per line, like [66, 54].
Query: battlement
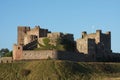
[101, 41]
[84, 33]
[35, 38]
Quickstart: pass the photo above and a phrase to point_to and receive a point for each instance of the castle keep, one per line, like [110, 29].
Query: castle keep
[57, 45]
[30, 39]
[94, 43]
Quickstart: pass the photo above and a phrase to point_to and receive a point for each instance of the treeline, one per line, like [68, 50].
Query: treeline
[5, 52]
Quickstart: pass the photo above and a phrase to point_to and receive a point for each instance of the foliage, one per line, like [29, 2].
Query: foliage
[46, 41]
[5, 52]
[61, 45]
[9, 54]
[25, 72]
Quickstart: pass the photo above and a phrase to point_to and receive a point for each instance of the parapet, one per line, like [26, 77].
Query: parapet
[84, 33]
[54, 35]
[98, 31]
[108, 33]
[24, 27]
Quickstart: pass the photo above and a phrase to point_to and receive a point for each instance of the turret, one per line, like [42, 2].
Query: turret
[22, 30]
[84, 33]
[98, 36]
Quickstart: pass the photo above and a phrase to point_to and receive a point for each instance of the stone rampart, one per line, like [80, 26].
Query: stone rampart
[53, 54]
[6, 60]
[38, 54]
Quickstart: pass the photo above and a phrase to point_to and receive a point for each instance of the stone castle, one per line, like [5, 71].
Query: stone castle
[85, 49]
[94, 43]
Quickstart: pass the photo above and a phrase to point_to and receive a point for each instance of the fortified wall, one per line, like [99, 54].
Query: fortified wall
[90, 47]
[95, 43]
[39, 54]
[28, 40]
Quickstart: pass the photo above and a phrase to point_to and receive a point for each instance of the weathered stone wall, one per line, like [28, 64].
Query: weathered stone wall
[6, 60]
[29, 39]
[94, 43]
[53, 54]
[54, 35]
[69, 37]
[39, 32]
[106, 41]
[43, 32]
[34, 31]
[91, 46]
[17, 52]
[82, 45]
[42, 54]
[30, 46]
[95, 36]
[22, 30]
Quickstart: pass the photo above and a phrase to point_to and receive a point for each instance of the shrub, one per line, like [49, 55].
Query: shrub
[25, 72]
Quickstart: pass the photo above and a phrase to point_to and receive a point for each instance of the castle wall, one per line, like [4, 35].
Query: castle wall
[91, 46]
[22, 30]
[106, 41]
[6, 60]
[39, 32]
[82, 45]
[17, 52]
[69, 37]
[52, 54]
[43, 32]
[34, 31]
[54, 35]
[42, 54]
[96, 36]
[94, 43]
[29, 38]
[30, 46]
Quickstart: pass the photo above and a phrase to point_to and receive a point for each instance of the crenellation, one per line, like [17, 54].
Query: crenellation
[84, 33]
[22, 30]
[85, 48]
[96, 43]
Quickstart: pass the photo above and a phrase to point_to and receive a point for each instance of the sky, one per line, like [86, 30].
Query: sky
[68, 16]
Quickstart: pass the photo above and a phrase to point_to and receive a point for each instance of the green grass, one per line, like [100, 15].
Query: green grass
[58, 70]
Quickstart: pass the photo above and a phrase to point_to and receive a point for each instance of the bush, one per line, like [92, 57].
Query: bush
[46, 41]
[25, 72]
[9, 54]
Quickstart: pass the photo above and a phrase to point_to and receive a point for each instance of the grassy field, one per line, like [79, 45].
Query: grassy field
[59, 70]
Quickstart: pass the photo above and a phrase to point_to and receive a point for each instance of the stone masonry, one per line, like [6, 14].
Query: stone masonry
[28, 40]
[89, 44]
[94, 43]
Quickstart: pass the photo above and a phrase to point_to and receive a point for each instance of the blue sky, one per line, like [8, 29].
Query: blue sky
[70, 16]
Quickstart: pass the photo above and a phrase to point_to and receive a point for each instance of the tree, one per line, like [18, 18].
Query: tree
[9, 54]
[5, 52]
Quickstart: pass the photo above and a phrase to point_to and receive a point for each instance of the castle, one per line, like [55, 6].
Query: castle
[84, 49]
[94, 43]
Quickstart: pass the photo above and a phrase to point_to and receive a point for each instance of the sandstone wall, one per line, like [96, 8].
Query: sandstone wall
[29, 39]
[17, 52]
[6, 60]
[82, 45]
[52, 54]
[22, 30]
[42, 54]
[34, 31]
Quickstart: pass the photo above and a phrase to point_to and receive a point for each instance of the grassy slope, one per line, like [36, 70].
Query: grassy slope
[58, 70]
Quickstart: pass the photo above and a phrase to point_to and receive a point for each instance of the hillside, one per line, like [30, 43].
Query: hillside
[59, 70]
